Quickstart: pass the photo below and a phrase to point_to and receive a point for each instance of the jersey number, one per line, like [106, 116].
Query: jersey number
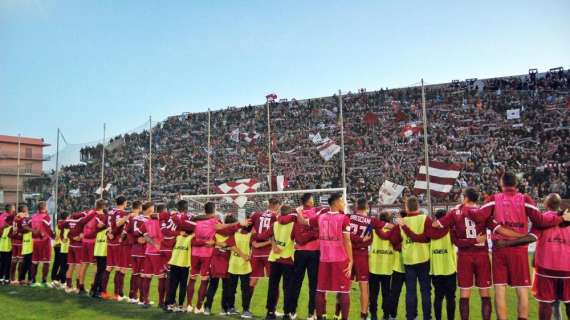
[470, 229]
[264, 224]
[354, 229]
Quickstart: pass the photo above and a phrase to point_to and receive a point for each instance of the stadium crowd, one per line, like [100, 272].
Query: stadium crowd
[467, 124]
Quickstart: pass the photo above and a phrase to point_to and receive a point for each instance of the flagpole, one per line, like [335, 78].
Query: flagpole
[18, 176]
[56, 198]
[343, 164]
[150, 158]
[208, 152]
[269, 143]
[103, 162]
[426, 150]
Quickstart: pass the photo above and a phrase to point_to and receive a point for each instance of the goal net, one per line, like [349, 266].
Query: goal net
[244, 204]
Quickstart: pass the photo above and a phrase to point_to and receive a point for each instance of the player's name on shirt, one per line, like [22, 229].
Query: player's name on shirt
[361, 218]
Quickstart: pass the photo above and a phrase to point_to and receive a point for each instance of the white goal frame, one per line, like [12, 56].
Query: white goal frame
[196, 198]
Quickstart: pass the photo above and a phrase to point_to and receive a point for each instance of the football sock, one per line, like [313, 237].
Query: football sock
[161, 291]
[344, 305]
[202, 292]
[486, 308]
[104, 281]
[321, 303]
[190, 291]
[45, 271]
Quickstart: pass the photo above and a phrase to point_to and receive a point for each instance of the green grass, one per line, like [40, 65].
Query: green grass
[44, 303]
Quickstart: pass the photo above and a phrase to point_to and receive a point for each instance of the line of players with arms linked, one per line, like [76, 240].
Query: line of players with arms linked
[380, 253]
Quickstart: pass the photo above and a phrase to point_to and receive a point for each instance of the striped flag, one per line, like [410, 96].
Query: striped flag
[278, 183]
[442, 176]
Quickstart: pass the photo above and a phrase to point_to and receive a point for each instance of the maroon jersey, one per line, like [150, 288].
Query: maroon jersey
[263, 229]
[74, 231]
[464, 230]
[185, 216]
[134, 231]
[169, 229]
[361, 227]
[117, 231]
[19, 227]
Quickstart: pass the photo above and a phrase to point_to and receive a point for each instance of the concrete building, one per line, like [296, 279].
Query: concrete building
[31, 165]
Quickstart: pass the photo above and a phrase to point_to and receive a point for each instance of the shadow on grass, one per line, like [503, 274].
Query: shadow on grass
[55, 304]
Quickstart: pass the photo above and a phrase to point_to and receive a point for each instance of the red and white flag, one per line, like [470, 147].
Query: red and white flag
[278, 183]
[442, 176]
[236, 188]
[410, 130]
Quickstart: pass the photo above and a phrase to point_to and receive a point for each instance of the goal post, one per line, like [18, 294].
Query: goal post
[243, 204]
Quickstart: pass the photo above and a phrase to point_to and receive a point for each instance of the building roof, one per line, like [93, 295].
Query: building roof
[23, 140]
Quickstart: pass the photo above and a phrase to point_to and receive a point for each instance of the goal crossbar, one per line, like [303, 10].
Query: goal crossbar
[263, 193]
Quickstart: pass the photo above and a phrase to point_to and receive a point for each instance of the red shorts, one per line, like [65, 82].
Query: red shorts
[510, 267]
[332, 277]
[546, 289]
[125, 259]
[360, 268]
[165, 256]
[114, 255]
[137, 263]
[16, 250]
[260, 267]
[41, 252]
[200, 266]
[152, 265]
[474, 265]
[87, 252]
[74, 255]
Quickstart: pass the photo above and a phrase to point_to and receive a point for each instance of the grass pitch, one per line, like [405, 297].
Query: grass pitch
[45, 303]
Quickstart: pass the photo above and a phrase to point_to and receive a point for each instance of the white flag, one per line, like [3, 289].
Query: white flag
[316, 138]
[389, 192]
[513, 114]
[51, 206]
[328, 150]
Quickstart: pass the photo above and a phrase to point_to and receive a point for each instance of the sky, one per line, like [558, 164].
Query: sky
[75, 65]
